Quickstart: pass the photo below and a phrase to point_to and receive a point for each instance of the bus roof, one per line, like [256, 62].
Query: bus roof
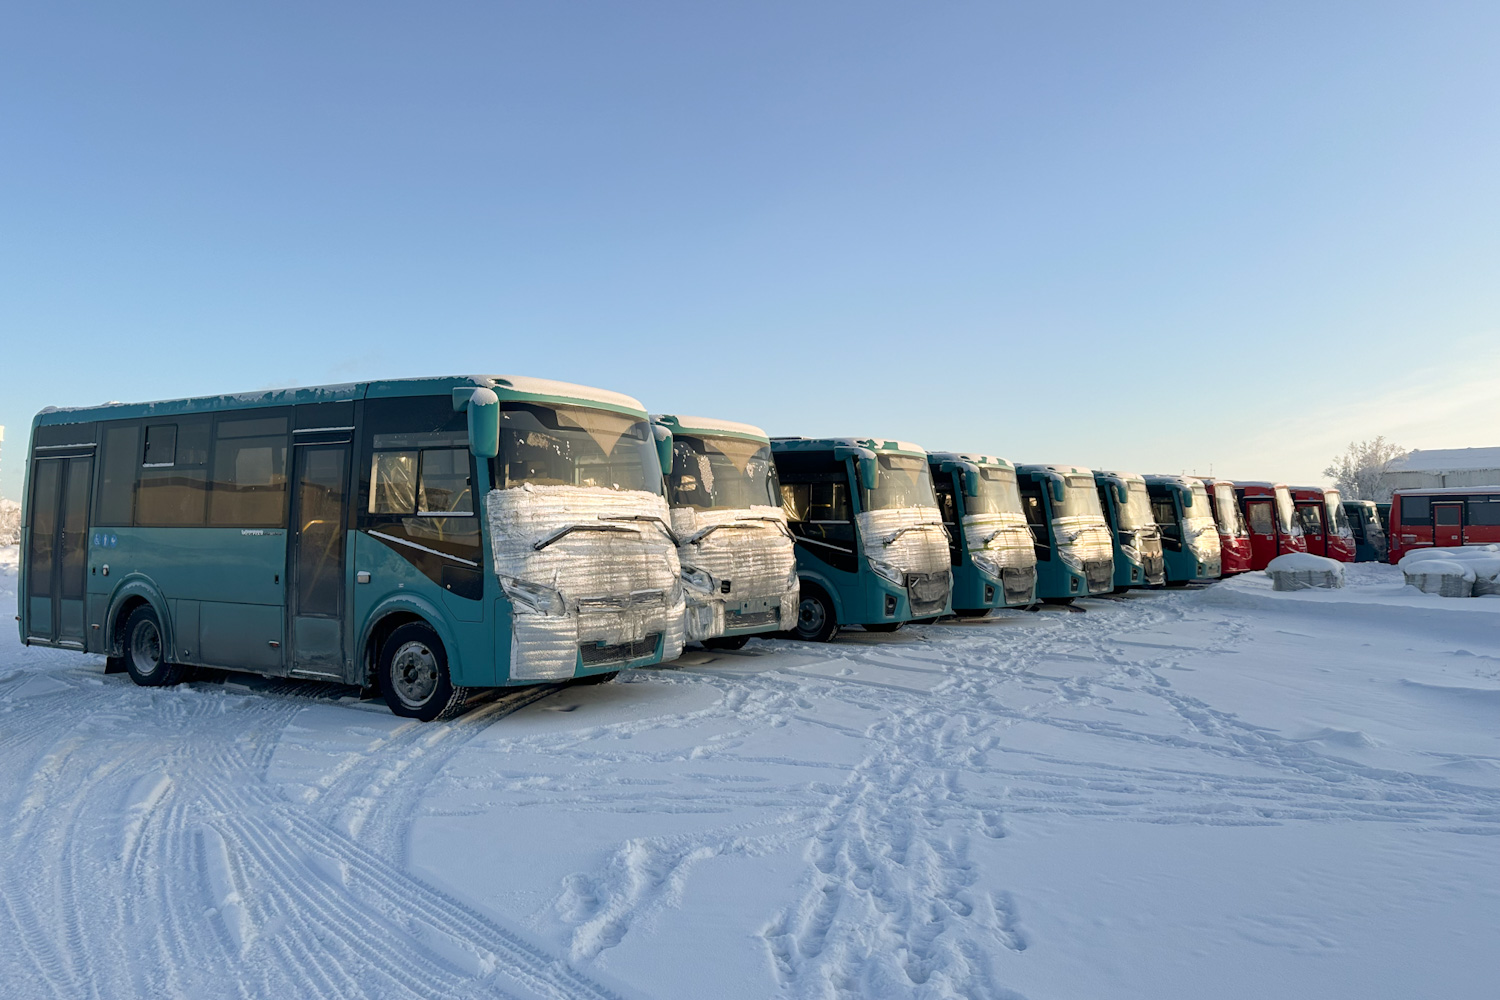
[1444, 490]
[883, 445]
[981, 460]
[1157, 479]
[1264, 484]
[1124, 477]
[1062, 470]
[710, 426]
[513, 387]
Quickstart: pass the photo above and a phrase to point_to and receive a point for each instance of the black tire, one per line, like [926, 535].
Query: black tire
[603, 678]
[816, 619]
[146, 650]
[884, 627]
[726, 642]
[1177, 583]
[971, 612]
[413, 675]
[1057, 600]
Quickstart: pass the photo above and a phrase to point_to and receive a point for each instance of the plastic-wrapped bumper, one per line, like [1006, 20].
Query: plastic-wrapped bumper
[709, 619]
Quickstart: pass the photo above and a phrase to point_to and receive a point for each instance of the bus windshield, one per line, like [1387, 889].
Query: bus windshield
[721, 473]
[1231, 519]
[1135, 513]
[559, 445]
[1338, 521]
[904, 481]
[1284, 512]
[1080, 498]
[998, 493]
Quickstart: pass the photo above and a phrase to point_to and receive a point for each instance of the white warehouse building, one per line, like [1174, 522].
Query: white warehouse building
[1437, 467]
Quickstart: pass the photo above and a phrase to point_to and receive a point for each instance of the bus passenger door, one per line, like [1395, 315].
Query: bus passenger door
[57, 563]
[1448, 524]
[315, 560]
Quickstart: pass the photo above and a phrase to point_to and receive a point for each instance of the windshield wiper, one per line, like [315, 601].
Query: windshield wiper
[910, 527]
[739, 522]
[663, 525]
[568, 529]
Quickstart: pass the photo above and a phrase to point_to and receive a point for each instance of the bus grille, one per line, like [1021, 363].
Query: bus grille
[598, 654]
[1151, 563]
[927, 592]
[749, 619]
[1019, 583]
[1100, 574]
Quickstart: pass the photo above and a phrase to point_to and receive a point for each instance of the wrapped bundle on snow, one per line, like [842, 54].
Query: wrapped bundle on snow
[1301, 571]
[1459, 571]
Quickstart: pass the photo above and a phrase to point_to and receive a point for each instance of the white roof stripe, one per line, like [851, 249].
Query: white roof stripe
[567, 390]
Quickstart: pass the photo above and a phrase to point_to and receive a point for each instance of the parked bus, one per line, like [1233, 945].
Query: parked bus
[1384, 510]
[1267, 508]
[427, 536]
[871, 549]
[1137, 541]
[989, 545]
[1074, 550]
[1325, 526]
[1454, 515]
[1234, 535]
[739, 565]
[1369, 535]
[1189, 533]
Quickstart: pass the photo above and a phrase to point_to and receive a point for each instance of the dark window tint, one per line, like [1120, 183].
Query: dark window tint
[947, 498]
[1447, 514]
[46, 482]
[1035, 508]
[320, 550]
[161, 445]
[1261, 521]
[173, 488]
[1483, 510]
[249, 473]
[1310, 516]
[1416, 510]
[813, 502]
[118, 466]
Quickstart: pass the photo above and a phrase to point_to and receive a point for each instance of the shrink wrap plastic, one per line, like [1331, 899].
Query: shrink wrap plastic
[613, 586]
[1005, 538]
[1086, 534]
[911, 539]
[755, 553]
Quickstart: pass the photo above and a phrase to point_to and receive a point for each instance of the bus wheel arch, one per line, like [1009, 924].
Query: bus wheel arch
[411, 670]
[817, 614]
[125, 604]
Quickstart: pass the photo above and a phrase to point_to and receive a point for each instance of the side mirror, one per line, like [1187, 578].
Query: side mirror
[483, 408]
[1122, 494]
[869, 471]
[1187, 498]
[663, 447]
[971, 481]
[1059, 489]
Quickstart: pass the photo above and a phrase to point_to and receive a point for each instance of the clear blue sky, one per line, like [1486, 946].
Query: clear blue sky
[1143, 236]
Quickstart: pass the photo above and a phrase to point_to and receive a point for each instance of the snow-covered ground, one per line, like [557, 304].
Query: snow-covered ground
[1221, 793]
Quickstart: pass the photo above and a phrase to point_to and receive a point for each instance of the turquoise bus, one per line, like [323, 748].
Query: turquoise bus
[989, 545]
[424, 536]
[739, 563]
[1189, 534]
[871, 549]
[1074, 550]
[1127, 510]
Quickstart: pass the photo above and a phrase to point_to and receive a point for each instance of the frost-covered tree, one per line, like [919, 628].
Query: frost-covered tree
[10, 522]
[1360, 472]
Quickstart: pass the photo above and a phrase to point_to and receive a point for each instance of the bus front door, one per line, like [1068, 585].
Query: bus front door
[57, 563]
[1448, 524]
[315, 561]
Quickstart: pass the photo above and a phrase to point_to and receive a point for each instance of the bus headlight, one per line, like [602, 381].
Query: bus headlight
[533, 597]
[698, 580]
[1131, 552]
[986, 564]
[1070, 559]
[888, 572]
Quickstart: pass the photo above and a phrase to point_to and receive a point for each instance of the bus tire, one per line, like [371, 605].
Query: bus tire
[726, 642]
[884, 626]
[816, 619]
[413, 675]
[1057, 600]
[603, 678]
[146, 650]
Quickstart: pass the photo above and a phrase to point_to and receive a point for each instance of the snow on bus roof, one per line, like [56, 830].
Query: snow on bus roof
[567, 390]
[1447, 460]
[1117, 474]
[963, 456]
[797, 443]
[709, 424]
[1408, 491]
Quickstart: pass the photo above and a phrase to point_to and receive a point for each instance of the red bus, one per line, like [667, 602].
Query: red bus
[1267, 508]
[1455, 515]
[1234, 536]
[1325, 526]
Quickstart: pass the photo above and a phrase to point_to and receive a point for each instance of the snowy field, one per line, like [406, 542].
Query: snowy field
[1222, 793]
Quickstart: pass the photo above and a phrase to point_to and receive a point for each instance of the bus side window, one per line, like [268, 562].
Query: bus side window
[116, 503]
[1260, 518]
[174, 474]
[942, 485]
[1416, 510]
[1036, 519]
[1164, 513]
[249, 473]
[1483, 510]
[815, 497]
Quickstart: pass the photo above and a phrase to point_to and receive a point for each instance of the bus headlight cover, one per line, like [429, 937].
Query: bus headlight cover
[698, 580]
[1070, 559]
[986, 564]
[533, 597]
[888, 572]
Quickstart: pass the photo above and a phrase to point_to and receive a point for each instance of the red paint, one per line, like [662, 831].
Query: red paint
[1325, 530]
[1457, 515]
[1267, 508]
[1234, 536]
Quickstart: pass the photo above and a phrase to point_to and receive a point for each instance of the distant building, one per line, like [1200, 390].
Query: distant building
[1445, 467]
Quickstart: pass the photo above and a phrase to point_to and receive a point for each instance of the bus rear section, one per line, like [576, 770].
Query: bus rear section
[1325, 526]
[1234, 534]
[871, 549]
[1268, 512]
[1368, 532]
[1074, 548]
[739, 563]
[1189, 533]
[1454, 515]
[989, 545]
[1137, 540]
[426, 536]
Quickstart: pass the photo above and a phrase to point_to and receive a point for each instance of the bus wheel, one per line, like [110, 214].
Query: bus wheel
[816, 621]
[970, 612]
[1057, 600]
[884, 626]
[145, 652]
[414, 675]
[726, 642]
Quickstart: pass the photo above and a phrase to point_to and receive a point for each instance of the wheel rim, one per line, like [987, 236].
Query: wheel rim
[414, 674]
[145, 648]
[811, 616]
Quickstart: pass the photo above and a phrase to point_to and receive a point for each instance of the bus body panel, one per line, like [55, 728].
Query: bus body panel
[1137, 549]
[1075, 553]
[1189, 529]
[1454, 515]
[1267, 509]
[1325, 526]
[1234, 534]
[1004, 574]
